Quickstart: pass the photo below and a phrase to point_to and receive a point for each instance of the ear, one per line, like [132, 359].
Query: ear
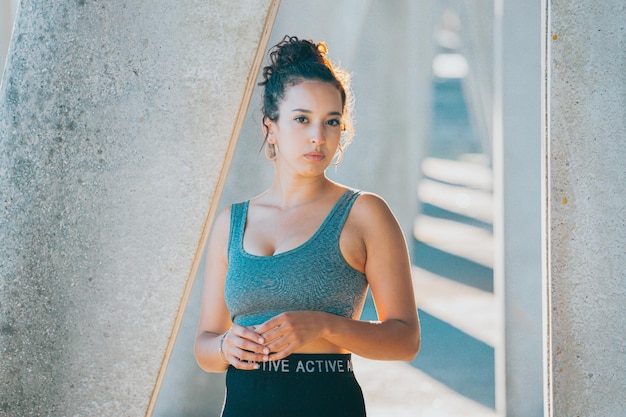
[268, 129]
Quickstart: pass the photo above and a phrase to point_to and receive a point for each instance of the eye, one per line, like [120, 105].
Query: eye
[334, 122]
[301, 119]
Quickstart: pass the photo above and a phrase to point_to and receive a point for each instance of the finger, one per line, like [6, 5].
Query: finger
[246, 339]
[282, 353]
[286, 342]
[243, 355]
[239, 345]
[272, 336]
[267, 326]
[247, 333]
[244, 365]
[275, 328]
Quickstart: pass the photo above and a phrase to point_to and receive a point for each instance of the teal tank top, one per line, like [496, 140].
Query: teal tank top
[313, 276]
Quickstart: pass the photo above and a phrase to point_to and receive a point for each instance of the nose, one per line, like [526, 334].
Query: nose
[317, 135]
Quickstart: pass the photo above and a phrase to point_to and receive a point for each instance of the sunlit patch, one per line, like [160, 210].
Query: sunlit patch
[450, 66]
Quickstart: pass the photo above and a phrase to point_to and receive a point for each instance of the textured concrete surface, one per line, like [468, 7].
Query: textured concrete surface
[586, 206]
[8, 9]
[518, 133]
[114, 121]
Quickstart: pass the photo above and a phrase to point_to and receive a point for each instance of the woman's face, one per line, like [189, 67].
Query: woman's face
[308, 128]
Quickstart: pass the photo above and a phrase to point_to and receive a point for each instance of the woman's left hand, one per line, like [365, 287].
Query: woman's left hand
[287, 332]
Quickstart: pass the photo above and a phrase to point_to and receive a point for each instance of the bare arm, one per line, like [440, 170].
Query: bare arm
[239, 344]
[396, 336]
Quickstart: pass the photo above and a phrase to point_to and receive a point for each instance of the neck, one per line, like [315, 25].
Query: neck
[287, 194]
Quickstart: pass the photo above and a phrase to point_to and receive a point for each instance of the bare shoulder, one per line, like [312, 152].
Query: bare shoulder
[222, 221]
[371, 210]
[371, 201]
[220, 232]
[372, 222]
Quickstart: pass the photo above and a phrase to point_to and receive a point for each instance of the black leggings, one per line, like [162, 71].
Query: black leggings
[301, 385]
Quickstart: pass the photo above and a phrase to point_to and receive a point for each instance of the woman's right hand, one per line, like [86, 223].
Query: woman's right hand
[243, 348]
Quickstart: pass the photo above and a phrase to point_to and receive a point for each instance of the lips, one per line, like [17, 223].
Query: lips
[314, 156]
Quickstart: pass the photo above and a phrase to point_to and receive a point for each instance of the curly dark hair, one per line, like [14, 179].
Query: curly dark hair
[294, 60]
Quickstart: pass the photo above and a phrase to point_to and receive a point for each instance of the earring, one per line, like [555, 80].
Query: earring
[271, 151]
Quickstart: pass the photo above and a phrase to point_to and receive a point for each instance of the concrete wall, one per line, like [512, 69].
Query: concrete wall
[518, 133]
[478, 22]
[8, 9]
[115, 120]
[586, 202]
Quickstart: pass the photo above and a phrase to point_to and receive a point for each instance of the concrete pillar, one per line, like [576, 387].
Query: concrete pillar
[392, 75]
[477, 17]
[585, 206]
[8, 9]
[115, 119]
[518, 132]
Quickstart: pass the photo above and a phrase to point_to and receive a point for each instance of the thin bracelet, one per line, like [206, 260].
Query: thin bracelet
[219, 348]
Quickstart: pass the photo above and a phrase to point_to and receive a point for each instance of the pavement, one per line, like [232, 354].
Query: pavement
[397, 389]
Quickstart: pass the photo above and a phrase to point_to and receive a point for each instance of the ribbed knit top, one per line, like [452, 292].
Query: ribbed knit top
[313, 276]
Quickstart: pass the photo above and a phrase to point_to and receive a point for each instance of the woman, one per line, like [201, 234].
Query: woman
[287, 271]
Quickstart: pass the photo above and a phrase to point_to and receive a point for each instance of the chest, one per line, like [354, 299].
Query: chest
[269, 231]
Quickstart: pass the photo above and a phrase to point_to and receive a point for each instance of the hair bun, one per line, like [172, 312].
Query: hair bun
[321, 47]
[293, 51]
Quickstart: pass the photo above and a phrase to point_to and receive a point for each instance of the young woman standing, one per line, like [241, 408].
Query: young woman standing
[288, 270]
